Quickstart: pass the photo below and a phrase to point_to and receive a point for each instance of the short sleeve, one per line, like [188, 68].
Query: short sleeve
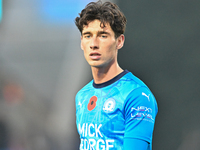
[134, 144]
[140, 111]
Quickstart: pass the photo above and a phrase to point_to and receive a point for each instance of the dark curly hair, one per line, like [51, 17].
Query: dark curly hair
[105, 12]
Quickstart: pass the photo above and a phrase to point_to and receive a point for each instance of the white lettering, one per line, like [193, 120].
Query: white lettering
[97, 130]
[143, 114]
[135, 109]
[86, 129]
[102, 146]
[150, 117]
[81, 130]
[89, 130]
[92, 143]
[149, 110]
[142, 108]
[86, 144]
[107, 144]
[81, 145]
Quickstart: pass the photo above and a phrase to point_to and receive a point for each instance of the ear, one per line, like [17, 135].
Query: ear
[120, 41]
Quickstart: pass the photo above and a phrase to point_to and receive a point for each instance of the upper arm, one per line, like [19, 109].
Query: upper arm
[136, 144]
[140, 112]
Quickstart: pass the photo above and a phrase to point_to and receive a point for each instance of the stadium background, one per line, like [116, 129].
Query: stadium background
[42, 67]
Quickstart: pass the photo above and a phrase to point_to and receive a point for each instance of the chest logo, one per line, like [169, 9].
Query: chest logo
[109, 105]
[92, 103]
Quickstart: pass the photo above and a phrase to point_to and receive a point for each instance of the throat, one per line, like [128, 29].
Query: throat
[104, 75]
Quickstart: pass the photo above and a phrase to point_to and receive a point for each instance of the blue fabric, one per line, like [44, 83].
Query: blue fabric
[108, 115]
[135, 144]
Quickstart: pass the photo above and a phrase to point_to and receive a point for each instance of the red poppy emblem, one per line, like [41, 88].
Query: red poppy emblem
[92, 103]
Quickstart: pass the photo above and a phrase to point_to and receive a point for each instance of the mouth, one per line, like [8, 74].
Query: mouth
[95, 55]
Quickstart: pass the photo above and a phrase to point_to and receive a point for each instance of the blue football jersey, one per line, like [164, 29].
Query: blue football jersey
[119, 109]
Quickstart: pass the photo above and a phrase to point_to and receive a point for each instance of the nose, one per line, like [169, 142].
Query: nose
[94, 44]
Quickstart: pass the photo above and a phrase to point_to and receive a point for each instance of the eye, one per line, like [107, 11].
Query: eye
[87, 36]
[104, 36]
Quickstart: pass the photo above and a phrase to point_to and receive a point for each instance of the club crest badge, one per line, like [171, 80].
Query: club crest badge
[109, 105]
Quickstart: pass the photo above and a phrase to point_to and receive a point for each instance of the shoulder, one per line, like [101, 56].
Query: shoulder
[132, 79]
[129, 83]
[137, 93]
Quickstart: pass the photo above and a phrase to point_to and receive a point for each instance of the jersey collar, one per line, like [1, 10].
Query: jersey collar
[101, 85]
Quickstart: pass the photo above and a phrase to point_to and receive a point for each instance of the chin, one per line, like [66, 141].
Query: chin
[97, 65]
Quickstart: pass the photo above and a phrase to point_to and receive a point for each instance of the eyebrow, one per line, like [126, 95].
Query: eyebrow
[103, 32]
[86, 33]
[99, 32]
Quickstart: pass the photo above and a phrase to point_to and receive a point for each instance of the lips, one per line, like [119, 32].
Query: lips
[95, 55]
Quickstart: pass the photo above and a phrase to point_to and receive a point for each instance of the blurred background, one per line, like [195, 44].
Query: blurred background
[42, 67]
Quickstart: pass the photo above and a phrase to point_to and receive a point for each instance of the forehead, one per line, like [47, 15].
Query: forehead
[96, 25]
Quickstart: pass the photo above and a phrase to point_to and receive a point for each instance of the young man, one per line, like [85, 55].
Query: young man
[116, 110]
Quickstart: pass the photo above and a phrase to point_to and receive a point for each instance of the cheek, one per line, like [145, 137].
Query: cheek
[82, 45]
[112, 45]
[85, 54]
[111, 49]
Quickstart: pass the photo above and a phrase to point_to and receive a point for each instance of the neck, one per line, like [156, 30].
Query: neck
[103, 74]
